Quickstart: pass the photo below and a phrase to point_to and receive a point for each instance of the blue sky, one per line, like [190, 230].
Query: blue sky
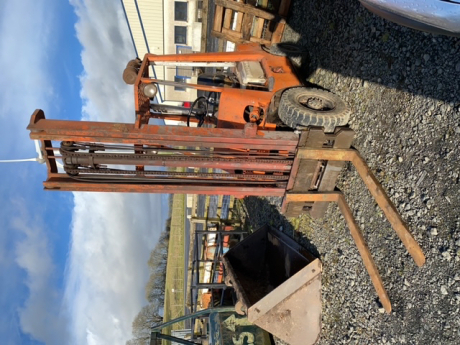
[73, 265]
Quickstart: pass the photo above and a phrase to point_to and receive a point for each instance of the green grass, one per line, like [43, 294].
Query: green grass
[174, 301]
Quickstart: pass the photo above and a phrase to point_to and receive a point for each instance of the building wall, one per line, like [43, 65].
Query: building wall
[152, 25]
[193, 43]
[193, 27]
[151, 12]
[145, 19]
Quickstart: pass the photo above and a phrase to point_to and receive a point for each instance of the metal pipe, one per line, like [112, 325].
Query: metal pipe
[230, 232]
[156, 335]
[194, 315]
[112, 132]
[62, 182]
[91, 159]
[193, 64]
[214, 57]
[210, 286]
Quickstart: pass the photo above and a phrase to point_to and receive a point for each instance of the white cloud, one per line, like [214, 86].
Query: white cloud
[103, 32]
[24, 48]
[30, 302]
[41, 316]
[112, 234]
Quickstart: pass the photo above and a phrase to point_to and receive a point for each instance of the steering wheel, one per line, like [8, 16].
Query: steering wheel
[201, 111]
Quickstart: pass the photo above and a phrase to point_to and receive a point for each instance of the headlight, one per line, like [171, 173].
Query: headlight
[150, 90]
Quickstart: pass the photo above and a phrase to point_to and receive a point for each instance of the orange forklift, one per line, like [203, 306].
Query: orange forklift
[258, 85]
[254, 129]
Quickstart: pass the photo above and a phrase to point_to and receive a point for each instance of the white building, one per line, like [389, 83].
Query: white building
[167, 27]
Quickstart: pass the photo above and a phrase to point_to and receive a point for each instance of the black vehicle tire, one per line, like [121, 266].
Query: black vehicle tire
[302, 107]
[287, 49]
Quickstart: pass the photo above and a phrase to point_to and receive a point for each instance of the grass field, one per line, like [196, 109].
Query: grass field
[174, 300]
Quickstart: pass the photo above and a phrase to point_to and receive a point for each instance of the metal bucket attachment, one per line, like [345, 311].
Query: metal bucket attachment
[278, 284]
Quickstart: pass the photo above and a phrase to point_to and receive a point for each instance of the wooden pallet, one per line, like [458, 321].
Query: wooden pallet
[250, 23]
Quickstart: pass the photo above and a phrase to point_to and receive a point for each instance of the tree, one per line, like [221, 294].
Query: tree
[143, 322]
[154, 291]
[155, 288]
[138, 341]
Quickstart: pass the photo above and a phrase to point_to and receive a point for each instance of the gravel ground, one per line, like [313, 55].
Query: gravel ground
[403, 87]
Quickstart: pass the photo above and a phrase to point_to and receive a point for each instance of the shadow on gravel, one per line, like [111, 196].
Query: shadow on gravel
[345, 38]
[261, 212]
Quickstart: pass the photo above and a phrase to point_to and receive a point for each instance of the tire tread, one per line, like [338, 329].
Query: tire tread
[295, 115]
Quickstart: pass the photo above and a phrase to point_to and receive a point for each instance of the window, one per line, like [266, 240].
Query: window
[180, 34]
[178, 79]
[184, 71]
[180, 11]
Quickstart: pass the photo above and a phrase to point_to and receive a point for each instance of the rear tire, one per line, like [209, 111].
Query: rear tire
[302, 107]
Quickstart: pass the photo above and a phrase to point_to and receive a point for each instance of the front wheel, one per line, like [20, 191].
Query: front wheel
[303, 107]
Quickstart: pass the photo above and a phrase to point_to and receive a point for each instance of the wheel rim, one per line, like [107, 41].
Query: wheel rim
[316, 103]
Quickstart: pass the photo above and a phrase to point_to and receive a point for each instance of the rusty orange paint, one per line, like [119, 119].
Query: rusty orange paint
[62, 182]
[375, 189]
[233, 101]
[356, 234]
[111, 132]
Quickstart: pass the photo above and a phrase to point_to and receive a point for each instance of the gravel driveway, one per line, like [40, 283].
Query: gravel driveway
[403, 86]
